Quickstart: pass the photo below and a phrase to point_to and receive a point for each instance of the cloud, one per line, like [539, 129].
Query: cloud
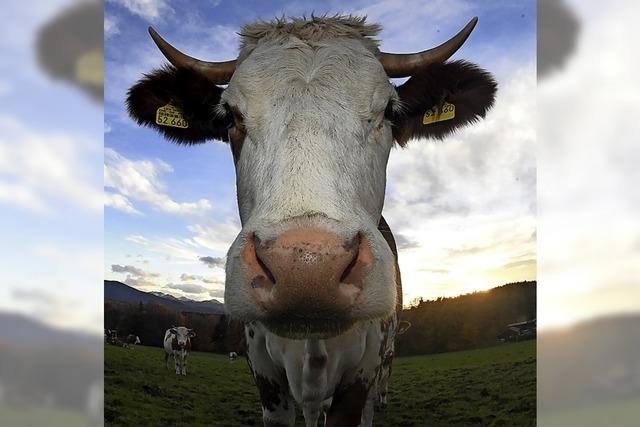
[140, 181]
[213, 262]
[217, 236]
[134, 271]
[403, 242]
[216, 293]
[193, 277]
[120, 202]
[150, 10]
[137, 239]
[140, 283]
[188, 288]
[44, 173]
[136, 277]
[110, 26]
[520, 264]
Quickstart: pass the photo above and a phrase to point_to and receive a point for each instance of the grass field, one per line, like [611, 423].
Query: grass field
[488, 387]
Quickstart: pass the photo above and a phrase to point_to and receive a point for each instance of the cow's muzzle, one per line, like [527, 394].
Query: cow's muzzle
[306, 280]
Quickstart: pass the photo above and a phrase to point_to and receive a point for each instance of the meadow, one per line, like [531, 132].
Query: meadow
[494, 386]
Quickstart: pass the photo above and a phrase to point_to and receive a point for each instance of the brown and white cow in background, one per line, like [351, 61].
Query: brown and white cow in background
[311, 117]
[177, 343]
[131, 341]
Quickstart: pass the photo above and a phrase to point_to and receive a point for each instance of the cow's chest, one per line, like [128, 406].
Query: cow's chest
[315, 369]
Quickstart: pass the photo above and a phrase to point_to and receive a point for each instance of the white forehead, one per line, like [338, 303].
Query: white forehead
[328, 61]
[181, 331]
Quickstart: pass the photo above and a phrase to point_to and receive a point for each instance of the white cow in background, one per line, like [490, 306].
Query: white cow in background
[177, 342]
[233, 356]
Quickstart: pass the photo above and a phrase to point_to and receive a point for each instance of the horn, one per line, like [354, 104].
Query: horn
[407, 64]
[217, 72]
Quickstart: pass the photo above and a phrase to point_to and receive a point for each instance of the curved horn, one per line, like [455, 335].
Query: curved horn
[217, 72]
[407, 64]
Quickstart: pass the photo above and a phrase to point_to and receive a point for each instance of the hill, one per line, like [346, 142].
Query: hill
[118, 291]
[467, 321]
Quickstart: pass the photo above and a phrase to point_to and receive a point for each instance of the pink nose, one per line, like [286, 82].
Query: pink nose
[306, 273]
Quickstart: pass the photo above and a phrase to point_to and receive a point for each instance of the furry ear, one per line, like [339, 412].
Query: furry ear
[426, 100]
[194, 97]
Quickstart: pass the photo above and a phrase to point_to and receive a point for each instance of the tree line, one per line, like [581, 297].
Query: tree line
[467, 321]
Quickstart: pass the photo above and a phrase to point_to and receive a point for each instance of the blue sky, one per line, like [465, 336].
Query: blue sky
[463, 210]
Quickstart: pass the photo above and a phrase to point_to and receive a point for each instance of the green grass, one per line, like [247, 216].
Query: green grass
[38, 417]
[488, 387]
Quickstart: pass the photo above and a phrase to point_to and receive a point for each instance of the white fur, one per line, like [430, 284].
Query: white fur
[316, 152]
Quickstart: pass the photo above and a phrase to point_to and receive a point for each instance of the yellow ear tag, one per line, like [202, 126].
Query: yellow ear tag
[169, 115]
[435, 115]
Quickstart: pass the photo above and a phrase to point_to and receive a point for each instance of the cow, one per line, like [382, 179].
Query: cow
[311, 115]
[177, 342]
[111, 336]
[131, 341]
[233, 356]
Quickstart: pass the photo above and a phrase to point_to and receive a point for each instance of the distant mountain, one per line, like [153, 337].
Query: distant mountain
[118, 291]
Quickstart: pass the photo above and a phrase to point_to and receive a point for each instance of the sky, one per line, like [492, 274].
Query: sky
[463, 210]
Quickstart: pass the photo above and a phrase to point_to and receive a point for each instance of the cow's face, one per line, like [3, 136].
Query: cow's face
[311, 142]
[181, 337]
[311, 116]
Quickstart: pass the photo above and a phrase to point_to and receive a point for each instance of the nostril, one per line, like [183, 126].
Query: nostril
[351, 265]
[265, 269]
[359, 267]
[258, 274]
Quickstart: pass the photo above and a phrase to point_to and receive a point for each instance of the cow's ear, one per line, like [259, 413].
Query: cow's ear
[180, 104]
[192, 333]
[173, 330]
[442, 98]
